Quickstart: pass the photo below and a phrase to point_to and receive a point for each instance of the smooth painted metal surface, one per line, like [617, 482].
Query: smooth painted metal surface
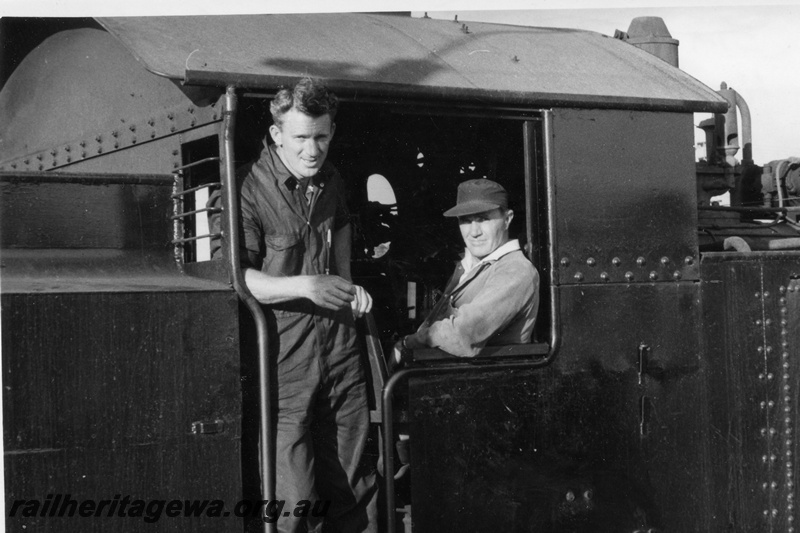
[388, 54]
[231, 203]
[627, 213]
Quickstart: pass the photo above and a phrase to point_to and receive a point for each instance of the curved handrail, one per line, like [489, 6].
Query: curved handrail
[230, 199]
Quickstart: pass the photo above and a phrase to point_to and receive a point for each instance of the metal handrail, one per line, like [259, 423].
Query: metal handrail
[555, 338]
[184, 192]
[231, 208]
[184, 214]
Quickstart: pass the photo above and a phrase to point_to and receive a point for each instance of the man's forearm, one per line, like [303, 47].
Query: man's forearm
[271, 289]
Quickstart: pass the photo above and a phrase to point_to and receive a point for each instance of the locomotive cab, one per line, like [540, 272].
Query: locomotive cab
[601, 423]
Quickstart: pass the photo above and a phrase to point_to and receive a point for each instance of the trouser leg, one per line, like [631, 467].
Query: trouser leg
[341, 430]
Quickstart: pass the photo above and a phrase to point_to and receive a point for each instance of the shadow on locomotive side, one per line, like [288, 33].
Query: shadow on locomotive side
[660, 391]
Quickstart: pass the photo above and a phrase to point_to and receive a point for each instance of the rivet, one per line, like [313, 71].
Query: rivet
[53, 163]
[774, 512]
[67, 149]
[764, 485]
[772, 458]
[787, 420]
[763, 405]
[782, 301]
[785, 355]
[214, 116]
[782, 289]
[785, 364]
[578, 276]
[676, 275]
[758, 322]
[565, 261]
[190, 109]
[150, 121]
[769, 349]
[616, 261]
[41, 167]
[665, 260]
[99, 149]
[759, 349]
[98, 138]
[133, 140]
[152, 135]
[766, 512]
[771, 404]
[193, 122]
[629, 276]
[766, 294]
[763, 458]
[27, 161]
[69, 159]
[764, 434]
[786, 375]
[39, 157]
[172, 128]
[53, 153]
[13, 165]
[758, 295]
[640, 261]
[604, 276]
[773, 485]
[768, 322]
[171, 116]
[175, 152]
[591, 261]
[116, 145]
[689, 260]
[115, 133]
[787, 408]
[83, 155]
[653, 275]
[82, 144]
[772, 431]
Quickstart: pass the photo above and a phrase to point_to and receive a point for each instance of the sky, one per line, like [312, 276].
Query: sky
[753, 48]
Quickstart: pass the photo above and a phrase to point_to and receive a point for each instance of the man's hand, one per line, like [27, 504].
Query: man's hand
[362, 303]
[332, 292]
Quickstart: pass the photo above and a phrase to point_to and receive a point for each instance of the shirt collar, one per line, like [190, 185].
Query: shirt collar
[282, 173]
[469, 262]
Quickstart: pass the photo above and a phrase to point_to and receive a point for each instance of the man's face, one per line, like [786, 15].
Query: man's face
[484, 232]
[303, 142]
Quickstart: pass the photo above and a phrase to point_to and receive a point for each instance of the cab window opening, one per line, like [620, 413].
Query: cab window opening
[402, 167]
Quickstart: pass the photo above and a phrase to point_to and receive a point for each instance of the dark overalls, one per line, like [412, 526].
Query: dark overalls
[323, 416]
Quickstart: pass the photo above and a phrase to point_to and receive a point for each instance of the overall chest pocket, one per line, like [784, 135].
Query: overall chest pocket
[283, 254]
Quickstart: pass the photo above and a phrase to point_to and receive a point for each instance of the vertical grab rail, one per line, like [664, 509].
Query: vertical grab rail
[231, 207]
[555, 334]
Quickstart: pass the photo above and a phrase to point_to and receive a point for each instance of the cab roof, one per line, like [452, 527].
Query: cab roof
[393, 55]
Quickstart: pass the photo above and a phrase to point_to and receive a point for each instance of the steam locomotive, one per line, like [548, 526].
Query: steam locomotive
[661, 388]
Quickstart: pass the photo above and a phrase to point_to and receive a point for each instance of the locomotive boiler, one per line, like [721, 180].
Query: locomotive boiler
[661, 388]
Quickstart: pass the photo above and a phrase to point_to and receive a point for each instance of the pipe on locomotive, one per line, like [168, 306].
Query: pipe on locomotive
[229, 192]
[555, 336]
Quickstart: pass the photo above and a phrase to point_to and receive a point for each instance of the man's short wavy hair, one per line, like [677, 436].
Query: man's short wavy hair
[309, 96]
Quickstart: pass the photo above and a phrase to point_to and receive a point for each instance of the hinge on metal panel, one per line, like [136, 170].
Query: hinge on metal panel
[644, 352]
[208, 427]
